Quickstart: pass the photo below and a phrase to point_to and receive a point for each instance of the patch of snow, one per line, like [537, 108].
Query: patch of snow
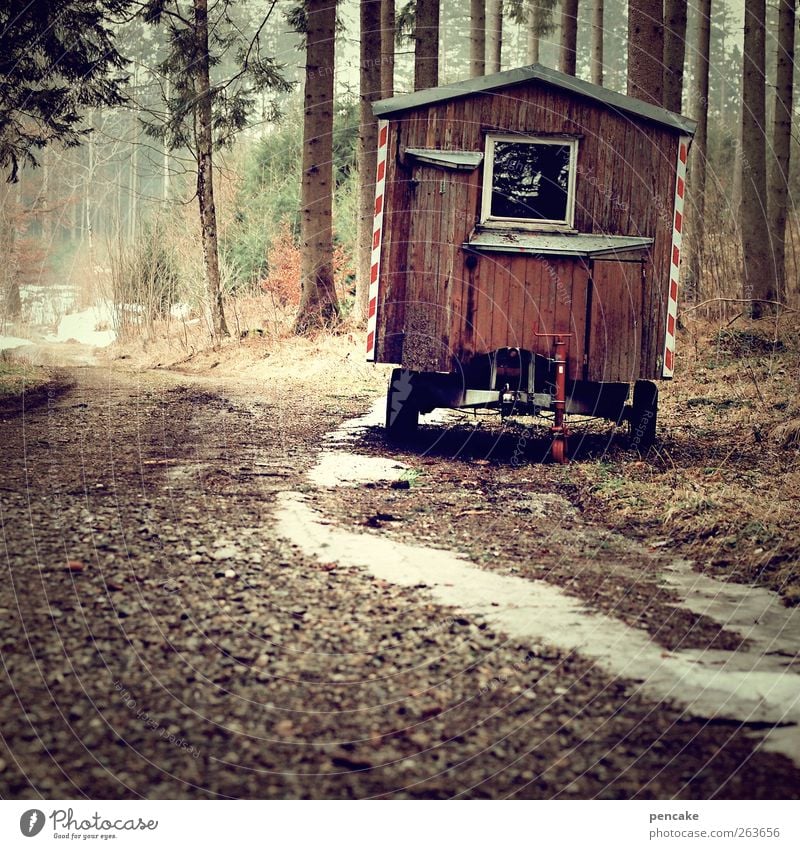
[8, 343]
[760, 682]
[180, 311]
[746, 686]
[92, 326]
[341, 468]
[44, 306]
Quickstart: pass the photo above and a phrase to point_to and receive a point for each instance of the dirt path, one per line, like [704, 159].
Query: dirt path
[164, 633]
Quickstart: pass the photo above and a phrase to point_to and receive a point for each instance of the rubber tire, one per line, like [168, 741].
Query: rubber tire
[643, 416]
[402, 410]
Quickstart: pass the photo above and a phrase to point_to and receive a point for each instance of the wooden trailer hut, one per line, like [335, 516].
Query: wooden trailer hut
[526, 249]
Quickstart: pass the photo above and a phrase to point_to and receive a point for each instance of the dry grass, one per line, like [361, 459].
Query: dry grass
[722, 484]
[18, 377]
[261, 348]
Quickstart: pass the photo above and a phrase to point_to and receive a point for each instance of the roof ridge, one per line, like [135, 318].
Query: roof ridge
[527, 73]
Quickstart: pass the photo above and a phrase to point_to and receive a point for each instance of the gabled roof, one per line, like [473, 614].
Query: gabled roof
[535, 73]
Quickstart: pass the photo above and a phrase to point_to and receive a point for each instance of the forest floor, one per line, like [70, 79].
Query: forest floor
[215, 588]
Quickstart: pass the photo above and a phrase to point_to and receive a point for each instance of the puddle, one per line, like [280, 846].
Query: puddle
[350, 430]
[341, 468]
[758, 685]
[744, 686]
[757, 614]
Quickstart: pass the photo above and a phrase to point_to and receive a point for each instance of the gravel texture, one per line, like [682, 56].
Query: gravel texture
[159, 641]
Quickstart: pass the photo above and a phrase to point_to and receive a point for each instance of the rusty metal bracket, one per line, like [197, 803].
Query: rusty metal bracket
[559, 429]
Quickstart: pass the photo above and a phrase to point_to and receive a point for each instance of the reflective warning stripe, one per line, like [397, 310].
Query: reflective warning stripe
[377, 239]
[675, 260]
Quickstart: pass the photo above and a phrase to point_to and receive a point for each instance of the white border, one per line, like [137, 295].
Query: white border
[487, 219]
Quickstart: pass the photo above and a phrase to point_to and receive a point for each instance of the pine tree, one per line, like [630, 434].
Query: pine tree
[598, 30]
[477, 38]
[646, 50]
[698, 160]
[370, 91]
[426, 44]
[56, 61]
[539, 24]
[759, 277]
[319, 305]
[202, 114]
[494, 36]
[674, 53]
[781, 139]
[569, 37]
[387, 48]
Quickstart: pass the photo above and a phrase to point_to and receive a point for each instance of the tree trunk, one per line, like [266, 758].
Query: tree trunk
[698, 159]
[646, 50]
[318, 302]
[205, 172]
[597, 42]
[759, 277]
[11, 304]
[133, 202]
[781, 140]
[88, 217]
[534, 33]
[674, 53]
[133, 173]
[494, 36]
[569, 37]
[540, 23]
[165, 163]
[426, 45]
[477, 38]
[387, 48]
[367, 145]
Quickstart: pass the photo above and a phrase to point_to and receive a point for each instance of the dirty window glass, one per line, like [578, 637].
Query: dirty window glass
[530, 180]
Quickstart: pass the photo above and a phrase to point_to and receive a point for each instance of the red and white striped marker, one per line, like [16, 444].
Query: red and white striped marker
[377, 239]
[675, 259]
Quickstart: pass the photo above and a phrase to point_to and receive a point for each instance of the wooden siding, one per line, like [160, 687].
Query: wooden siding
[434, 311]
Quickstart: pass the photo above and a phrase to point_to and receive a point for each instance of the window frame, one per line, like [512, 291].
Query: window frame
[567, 224]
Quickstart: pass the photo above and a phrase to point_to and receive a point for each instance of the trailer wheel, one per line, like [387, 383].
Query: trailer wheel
[402, 408]
[643, 415]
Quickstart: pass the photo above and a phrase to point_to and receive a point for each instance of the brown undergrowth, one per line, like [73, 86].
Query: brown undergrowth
[720, 486]
[722, 483]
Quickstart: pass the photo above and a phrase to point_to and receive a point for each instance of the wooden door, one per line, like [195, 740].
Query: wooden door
[615, 320]
[425, 306]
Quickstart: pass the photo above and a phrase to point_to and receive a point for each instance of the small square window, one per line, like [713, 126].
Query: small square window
[529, 182]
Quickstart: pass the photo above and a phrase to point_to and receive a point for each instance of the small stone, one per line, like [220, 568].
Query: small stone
[75, 566]
[284, 727]
[229, 573]
[226, 553]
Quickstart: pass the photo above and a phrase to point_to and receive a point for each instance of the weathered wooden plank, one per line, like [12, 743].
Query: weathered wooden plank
[484, 292]
[580, 286]
[516, 302]
[624, 186]
[501, 318]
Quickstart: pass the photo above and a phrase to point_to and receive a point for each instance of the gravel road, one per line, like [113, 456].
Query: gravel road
[160, 640]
